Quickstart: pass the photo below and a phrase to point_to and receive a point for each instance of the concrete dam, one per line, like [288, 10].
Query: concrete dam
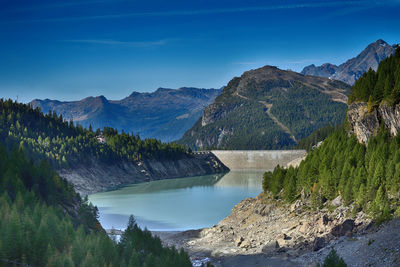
[258, 159]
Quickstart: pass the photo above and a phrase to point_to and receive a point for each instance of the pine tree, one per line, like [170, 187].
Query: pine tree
[333, 260]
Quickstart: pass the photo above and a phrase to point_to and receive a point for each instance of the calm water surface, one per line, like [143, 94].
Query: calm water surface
[177, 204]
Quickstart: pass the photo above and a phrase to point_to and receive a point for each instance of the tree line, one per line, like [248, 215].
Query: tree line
[366, 176]
[43, 222]
[380, 85]
[64, 144]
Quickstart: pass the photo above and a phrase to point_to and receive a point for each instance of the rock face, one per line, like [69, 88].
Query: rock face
[268, 108]
[164, 114]
[268, 226]
[346, 228]
[354, 68]
[100, 177]
[364, 124]
[325, 70]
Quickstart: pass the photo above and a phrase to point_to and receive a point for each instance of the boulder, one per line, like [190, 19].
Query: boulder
[270, 247]
[322, 222]
[245, 244]
[239, 241]
[282, 242]
[345, 228]
[319, 242]
[296, 205]
[305, 228]
[337, 201]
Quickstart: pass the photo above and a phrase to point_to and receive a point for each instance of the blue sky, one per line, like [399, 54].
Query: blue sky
[68, 50]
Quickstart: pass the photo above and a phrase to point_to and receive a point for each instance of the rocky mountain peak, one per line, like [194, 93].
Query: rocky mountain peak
[353, 68]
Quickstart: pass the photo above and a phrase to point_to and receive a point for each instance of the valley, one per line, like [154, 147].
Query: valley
[164, 114]
[208, 198]
[199, 133]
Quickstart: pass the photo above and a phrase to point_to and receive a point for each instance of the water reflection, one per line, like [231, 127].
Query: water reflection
[247, 179]
[177, 204]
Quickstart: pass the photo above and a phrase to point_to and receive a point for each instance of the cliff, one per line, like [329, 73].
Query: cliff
[101, 177]
[364, 124]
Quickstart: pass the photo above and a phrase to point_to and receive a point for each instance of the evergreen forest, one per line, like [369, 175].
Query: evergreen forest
[43, 222]
[64, 144]
[366, 176]
[380, 85]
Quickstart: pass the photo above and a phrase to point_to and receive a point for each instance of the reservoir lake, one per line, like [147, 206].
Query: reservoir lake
[177, 204]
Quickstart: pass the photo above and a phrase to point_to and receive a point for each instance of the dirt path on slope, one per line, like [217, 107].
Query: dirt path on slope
[269, 106]
[280, 124]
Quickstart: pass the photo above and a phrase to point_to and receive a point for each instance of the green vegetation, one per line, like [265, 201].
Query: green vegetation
[264, 108]
[43, 222]
[366, 176]
[315, 137]
[304, 110]
[333, 260]
[63, 144]
[252, 127]
[382, 85]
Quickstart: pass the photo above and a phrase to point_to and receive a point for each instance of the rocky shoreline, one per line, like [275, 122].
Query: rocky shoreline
[100, 177]
[262, 231]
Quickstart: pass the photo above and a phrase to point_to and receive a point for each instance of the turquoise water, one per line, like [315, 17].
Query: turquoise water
[177, 204]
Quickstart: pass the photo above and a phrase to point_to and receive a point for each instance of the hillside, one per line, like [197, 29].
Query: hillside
[268, 108]
[96, 161]
[362, 172]
[360, 164]
[164, 114]
[353, 68]
[44, 222]
[343, 195]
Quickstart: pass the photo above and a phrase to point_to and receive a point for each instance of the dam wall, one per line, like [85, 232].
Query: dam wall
[258, 159]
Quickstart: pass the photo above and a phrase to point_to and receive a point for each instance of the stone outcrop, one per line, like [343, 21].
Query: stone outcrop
[100, 177]
[215, 112]
[266, 226]
[364, 124]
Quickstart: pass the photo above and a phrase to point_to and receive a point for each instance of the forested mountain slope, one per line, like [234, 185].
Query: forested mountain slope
[164, 114]
[43, 222]
[268, 108]
[365, 176]
[96, 161]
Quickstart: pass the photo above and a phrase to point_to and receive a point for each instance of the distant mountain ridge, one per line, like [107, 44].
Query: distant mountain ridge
[268, 108]
[354, 68]
[164, 114]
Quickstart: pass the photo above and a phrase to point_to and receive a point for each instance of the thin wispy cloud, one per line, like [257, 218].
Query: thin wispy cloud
[120, 43]
[325, 4]
[57, 5]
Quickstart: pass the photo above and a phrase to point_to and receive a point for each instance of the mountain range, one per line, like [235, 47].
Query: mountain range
[277, 107]
[164, 114]
[354, 68]
[268, 108]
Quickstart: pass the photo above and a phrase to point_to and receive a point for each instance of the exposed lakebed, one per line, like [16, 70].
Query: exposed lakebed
[177, 204]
